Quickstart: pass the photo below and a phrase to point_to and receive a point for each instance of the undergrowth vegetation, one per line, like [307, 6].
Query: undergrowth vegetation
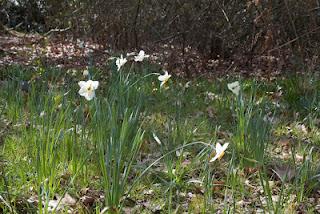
[135, 140]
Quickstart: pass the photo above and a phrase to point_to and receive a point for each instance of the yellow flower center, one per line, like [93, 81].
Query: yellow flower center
[221, 155]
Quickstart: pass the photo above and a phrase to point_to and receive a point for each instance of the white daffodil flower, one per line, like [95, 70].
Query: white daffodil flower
[120, 62]
[164, 78]
[234, 87]
[219, 151]
[131, 54]
[87, 89]
[141, 56]
[42, 114]
[156, 138]
[85, 72]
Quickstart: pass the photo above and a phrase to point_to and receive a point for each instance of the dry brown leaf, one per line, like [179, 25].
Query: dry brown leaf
[68, 200]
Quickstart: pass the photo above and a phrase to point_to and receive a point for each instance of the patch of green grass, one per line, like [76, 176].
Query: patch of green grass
[146, 149]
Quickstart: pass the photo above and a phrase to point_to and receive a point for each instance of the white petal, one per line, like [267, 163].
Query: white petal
[90, 95]
[95, 84]
[214, 158]
[85, 73]
[83, 91]
[233, 85]
[82, 84]
[236, 91]
[138, 59]
[219, 148]
[161, 78]
[141, 53]
[131, 53]
[164, 77]
[118, 62]
[225, 146]
[156, 138]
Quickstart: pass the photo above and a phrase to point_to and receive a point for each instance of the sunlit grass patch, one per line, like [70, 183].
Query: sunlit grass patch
[132, 137]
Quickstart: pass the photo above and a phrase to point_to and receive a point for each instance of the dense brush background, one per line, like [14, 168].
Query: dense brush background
[214, 27]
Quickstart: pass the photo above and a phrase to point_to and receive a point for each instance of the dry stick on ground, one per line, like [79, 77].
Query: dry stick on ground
[56, 30]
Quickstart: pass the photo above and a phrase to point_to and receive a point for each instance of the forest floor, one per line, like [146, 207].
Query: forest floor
[68, 52]
[142, 147]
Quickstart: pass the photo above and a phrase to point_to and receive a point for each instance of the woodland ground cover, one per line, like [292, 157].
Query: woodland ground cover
[130, 137]
[220, 114]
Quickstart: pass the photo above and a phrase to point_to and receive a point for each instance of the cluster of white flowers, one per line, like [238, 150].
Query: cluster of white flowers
[87, 88]
[120, 61]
